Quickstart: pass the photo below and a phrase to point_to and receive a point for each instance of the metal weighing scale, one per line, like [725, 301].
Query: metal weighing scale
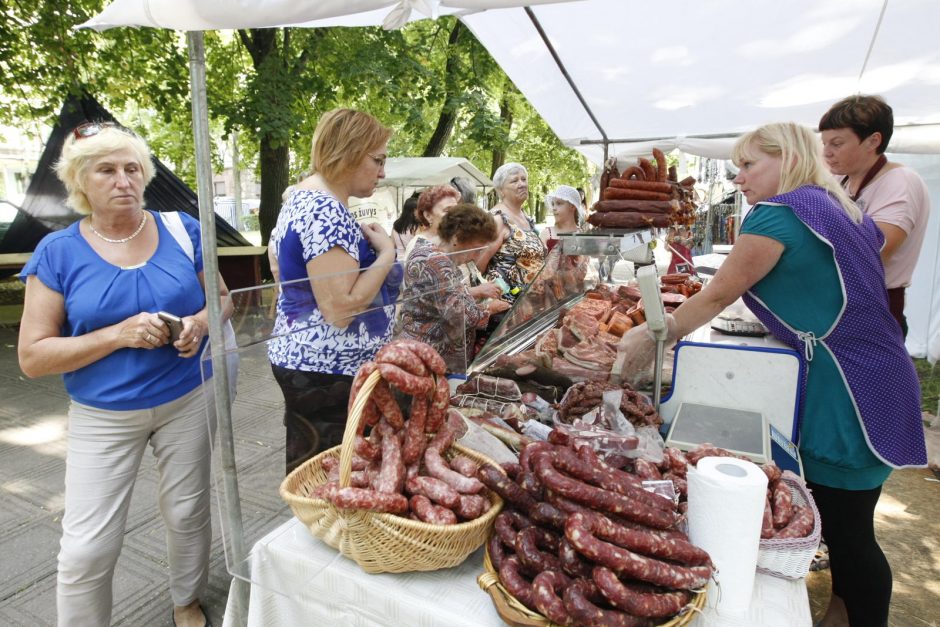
[739, 431]
[738, 397]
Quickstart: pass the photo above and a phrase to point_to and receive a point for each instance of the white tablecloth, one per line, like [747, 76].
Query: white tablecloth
[298, 580]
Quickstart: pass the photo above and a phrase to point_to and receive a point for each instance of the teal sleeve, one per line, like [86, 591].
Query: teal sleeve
[776, 222]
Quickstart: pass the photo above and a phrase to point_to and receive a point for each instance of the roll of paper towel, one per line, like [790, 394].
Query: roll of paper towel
[726, 508]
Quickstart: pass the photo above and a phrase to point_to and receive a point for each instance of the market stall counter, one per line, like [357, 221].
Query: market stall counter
[295, 576]
[337, 592]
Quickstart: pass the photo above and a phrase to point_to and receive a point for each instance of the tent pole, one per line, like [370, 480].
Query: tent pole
[197, 82]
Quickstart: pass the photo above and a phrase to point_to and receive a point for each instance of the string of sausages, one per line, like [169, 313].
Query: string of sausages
[583, 543]
[644, 195]
[396, 468]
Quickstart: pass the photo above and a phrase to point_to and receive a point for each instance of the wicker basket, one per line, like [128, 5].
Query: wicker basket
[381, 543]
[790, 558]
[516, 614]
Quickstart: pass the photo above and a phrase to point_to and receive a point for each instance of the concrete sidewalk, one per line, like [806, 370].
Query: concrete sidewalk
[33, 425]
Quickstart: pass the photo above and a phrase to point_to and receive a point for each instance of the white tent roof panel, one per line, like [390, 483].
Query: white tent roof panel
[422, 171]
[674, 69]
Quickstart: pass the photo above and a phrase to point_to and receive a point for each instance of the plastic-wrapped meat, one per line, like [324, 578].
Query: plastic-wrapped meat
[579, 373]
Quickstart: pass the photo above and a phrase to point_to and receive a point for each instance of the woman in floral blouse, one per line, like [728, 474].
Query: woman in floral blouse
[338, 282]
[518, 254]
[436, 307]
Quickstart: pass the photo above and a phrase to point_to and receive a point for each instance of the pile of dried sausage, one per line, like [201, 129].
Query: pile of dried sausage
[644, 195]
[396, 469]
[679, 283]
[583, 543]
[588, 395]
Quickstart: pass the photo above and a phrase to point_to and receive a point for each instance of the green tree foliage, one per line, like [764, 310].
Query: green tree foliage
[432, 82]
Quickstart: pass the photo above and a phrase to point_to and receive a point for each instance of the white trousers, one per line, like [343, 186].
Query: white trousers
[104, 454]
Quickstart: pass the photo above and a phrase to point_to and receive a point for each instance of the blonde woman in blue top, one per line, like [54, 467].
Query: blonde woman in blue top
[93, 291]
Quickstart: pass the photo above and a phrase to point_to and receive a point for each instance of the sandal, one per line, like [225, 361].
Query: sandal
[201, 609]
[821, 559]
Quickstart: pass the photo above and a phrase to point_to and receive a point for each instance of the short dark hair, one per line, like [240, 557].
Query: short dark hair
[865, 115]
[466, 222]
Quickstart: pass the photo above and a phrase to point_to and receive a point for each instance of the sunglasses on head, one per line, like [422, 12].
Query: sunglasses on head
[90, 129]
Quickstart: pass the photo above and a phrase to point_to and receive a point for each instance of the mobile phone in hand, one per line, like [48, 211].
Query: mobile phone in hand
[174, 323]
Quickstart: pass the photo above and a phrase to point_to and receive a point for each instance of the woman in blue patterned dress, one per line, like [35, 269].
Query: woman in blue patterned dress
[331, 269]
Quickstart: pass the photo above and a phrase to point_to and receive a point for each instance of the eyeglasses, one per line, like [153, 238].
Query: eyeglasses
[379, 161]
[90, 129]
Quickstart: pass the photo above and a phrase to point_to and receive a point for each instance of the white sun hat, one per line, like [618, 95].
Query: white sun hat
[568, 194]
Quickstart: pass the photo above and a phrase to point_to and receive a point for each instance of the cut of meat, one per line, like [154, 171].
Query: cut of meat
[566, 339]
[579, 373]
[597, 308]
[592, 353]
[630, 293]
[673, 299]
[582, 323]
[609, 339]
[548, 343]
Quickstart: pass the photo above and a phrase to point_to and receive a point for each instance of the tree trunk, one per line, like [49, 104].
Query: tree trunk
[505, 114]
[445, 123]
[275, 173]
[499, 152]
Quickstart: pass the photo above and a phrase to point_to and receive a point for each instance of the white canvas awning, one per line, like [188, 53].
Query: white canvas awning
[423, 171]
[198, 15]
[692, 74]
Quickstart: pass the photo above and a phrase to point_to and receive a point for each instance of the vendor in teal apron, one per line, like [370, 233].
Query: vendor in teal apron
[807, 264]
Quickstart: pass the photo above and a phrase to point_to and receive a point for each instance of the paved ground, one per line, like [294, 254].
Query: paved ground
[32, 450]
[32, 467]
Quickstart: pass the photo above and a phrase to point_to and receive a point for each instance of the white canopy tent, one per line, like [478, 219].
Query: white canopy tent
[420, 171]
[404, 175]
[692, 74]
[619, 76]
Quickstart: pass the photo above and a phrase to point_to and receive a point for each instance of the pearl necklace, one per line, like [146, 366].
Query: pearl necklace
[140, 227]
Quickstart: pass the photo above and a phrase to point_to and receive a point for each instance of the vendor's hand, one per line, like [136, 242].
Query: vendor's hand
[637, 351]
[486, 290]
[191, 336]
[497, 306]
[145, 330]
[378, 238]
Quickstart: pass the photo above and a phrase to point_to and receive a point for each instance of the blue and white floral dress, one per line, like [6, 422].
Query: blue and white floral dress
[310, 224]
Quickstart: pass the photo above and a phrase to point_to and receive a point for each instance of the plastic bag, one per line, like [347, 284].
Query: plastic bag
[479, 440]
[544, 410]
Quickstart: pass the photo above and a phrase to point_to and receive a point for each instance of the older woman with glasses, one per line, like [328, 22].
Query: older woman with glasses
[339, 283]
[93, 293]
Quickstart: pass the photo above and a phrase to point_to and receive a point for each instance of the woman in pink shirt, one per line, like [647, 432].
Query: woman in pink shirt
[855, 133]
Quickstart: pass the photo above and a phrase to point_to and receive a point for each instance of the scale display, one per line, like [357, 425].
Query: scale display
[739, 431]
[745, 328]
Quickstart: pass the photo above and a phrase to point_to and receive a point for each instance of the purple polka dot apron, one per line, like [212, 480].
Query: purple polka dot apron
[865, 340]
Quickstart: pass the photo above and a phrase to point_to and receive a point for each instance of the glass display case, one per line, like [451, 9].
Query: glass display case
[578, 263]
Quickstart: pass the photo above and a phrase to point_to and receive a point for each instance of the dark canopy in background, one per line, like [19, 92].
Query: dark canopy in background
[44, 209]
